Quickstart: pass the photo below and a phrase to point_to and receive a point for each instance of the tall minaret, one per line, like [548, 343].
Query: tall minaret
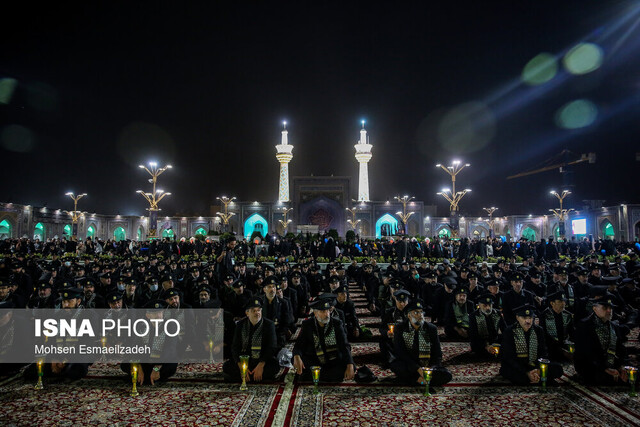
[284, 156]
[363, 155]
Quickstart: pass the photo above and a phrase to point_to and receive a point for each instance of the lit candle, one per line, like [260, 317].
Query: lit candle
[427, 373]
[544, 364]
[496, 349]
[244, 363]
[391, 327]
[631, 371]
[39, 385]
[103, 340]
[315, 376]
[210, 351]
[134, 380]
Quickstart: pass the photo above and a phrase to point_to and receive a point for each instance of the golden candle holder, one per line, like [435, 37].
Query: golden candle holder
[632, 372]
[315, 376]
[544, 367]
[427, 374]
[210, 351]
[134, 381]
[496, 350]
[391, 327]
[103, 341]
[244, 368]
[39, 385]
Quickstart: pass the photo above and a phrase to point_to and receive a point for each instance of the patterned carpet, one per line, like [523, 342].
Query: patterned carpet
[197, 394]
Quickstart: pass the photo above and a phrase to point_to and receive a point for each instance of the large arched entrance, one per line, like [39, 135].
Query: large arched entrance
[607, 230]
[200, 231]
[444, 231]
[91, 231]
[168, 233]
[38, 232]
[529, 234]
[386, 226]
[255, 222]
[67, 232]
[119, 234]
[5, 229]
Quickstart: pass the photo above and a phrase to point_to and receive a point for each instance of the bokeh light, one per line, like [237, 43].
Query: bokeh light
[576, 114]
[18, 139]
[583, 58]
[467, 128]
[540, 69]
[7, 86]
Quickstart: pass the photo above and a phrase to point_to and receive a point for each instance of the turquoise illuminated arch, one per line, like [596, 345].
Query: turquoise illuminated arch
[91, 232]
[167, 233]
[607, 230]
[251, 225]
[5, 229]
[67, 232]
[444, 232]
[201, 231]
[38, 233]
[140, 233]
[529, 234]
[119, 234]
[390, 221]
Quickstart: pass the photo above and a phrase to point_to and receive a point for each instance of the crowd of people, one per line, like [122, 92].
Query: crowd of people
[550, 306]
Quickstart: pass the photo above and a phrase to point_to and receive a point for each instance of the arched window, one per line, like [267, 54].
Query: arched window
[5, 229]
[67, 232]
[91, 232]
[38, 233]
[201, 231]
[168, 232]
[119, 234]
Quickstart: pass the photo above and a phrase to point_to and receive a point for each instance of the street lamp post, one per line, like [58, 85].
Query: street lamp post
[353, 222]
[404, 215]
[285, 222]
[491, 221]
[75, 214]
[154, 196]
[451, 195]
[226, 215]
[561, 213]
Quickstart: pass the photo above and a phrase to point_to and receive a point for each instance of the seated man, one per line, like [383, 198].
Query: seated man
[558, 326]
[485, 327]
[522, 345]
[323, 342]
[278, 310]
[349, 309]
[416, 346]
[161, 349]
[456, 317]
[600, 353]
[256, 337]
[395, 315]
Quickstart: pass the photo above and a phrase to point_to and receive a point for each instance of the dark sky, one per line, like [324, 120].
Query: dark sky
[101, 89]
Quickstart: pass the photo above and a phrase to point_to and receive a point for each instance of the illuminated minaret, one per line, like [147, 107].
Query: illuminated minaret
[284, 156]
[363, 155]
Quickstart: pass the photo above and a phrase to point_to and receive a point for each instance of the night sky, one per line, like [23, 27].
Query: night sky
[101, 89]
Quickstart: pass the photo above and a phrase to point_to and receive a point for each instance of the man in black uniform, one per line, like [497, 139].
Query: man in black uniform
[523, 344]
[456, 318]
[256, 337]
[277, 309]
[516, 297]
[347, 306]
[323, 342]
[558, 326]
[416, 346]
[485, 327]
[600, 353]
